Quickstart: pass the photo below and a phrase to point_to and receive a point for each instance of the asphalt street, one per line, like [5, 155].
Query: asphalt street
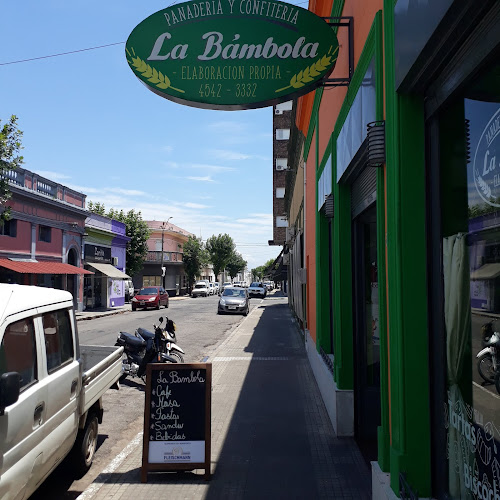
[200, 330]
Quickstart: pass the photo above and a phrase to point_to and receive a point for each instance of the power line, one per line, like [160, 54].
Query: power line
[61, 54]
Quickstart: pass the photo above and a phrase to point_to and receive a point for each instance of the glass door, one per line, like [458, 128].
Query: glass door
[366, 333]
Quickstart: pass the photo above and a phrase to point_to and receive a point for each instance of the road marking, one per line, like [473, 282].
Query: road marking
[112, 466]
[486, 390]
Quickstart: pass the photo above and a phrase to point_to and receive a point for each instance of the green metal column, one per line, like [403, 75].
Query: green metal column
[407, 286]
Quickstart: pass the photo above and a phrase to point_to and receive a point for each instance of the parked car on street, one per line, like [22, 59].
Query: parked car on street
[51, 388]
[151, 296]
[269, 285]
[217, 287]
[225, 285]
[211, 289]
[257, 290]
[129, 290]
[200, 289]
[234, 300]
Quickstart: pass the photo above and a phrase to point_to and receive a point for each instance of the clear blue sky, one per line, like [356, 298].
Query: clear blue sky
[90, 124]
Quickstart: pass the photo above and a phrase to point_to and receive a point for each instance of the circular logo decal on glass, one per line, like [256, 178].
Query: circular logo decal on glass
[487, 162]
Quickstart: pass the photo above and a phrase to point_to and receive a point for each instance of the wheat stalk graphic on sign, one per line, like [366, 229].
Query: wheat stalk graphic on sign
[151, 74]
[307, 75]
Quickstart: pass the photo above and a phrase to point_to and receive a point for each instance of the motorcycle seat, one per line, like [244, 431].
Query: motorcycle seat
[145, 334]
[132, 340]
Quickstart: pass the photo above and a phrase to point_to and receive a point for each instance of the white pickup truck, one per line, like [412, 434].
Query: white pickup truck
[50, 388]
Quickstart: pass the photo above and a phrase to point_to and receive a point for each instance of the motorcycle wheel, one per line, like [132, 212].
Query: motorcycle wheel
[176, 355]
[485, 368]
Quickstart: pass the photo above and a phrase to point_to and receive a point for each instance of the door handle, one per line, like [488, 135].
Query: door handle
[74, 386]
[37, 416]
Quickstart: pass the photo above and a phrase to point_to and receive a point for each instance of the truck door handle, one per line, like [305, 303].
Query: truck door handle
[38, 413]
[74, 386]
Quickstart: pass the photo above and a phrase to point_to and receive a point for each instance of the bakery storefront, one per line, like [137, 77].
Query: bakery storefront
[461, 96]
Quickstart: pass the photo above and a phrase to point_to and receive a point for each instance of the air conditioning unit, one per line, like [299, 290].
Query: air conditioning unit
[278, 111]
[114, 261]
[281, 167]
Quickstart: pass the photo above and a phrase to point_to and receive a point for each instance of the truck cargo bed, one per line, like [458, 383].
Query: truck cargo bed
[102, 367]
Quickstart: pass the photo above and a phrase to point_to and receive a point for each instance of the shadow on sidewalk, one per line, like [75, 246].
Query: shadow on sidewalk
[280, 443]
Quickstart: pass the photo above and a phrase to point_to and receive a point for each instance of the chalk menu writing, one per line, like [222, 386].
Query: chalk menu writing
[177, 417]
[177, 405]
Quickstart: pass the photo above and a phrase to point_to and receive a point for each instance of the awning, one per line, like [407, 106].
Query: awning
[109, 270]
[486, 272]
[46, 267]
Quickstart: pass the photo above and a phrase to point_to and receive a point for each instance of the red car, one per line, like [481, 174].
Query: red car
[151, 296]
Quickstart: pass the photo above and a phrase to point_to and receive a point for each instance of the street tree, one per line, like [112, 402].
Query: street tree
[194, 257]
[236, 264]
[96, 208]
[136, 228]
[220, 248]
[10, 146]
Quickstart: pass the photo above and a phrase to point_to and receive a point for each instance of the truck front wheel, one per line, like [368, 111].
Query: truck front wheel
[85, 445]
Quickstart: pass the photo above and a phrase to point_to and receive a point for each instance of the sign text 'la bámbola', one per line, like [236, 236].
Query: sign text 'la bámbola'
[232, 54]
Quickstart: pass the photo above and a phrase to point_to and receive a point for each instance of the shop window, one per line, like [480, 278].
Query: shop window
[151, 281]
[18, 351]
[58, 339]
[469, 142]
[9, 228]
[44, 234]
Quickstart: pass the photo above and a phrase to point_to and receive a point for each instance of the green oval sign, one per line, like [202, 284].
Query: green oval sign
[232, 54]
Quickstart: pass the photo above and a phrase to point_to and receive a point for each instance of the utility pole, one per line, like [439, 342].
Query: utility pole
[163, 226]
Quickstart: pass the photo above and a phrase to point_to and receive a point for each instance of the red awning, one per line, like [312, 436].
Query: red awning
[41, 267]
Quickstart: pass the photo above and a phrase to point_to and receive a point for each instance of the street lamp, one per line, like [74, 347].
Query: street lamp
[163, 226]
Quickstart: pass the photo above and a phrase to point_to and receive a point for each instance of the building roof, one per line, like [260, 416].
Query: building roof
[157, 224]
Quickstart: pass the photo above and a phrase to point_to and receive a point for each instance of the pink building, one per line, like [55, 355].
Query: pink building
[41, 244]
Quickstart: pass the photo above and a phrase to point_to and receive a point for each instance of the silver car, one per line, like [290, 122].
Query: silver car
[234, 300]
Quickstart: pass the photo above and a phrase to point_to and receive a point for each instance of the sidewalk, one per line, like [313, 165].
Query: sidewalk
[271, 435]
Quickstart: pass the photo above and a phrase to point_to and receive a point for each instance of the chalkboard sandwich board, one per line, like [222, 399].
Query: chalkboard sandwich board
[177, 418]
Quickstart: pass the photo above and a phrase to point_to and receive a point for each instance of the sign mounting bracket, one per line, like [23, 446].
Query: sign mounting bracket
[343, 22]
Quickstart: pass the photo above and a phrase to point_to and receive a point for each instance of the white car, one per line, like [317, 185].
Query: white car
[211, 289]
[200, 289]
[257, 289]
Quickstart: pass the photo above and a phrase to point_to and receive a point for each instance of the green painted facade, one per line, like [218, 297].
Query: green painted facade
[401, 241]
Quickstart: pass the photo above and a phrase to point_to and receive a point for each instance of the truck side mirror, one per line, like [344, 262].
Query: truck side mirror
[10, 384]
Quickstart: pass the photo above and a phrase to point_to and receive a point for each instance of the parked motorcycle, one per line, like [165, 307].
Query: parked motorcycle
[139, 350]
[487, 358]
[169, 340]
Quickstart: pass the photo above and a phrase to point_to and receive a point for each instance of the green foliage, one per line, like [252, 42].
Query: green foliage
[235, 264]
[195, 257]
[10, 145]
[220, 248]
[136, 229]
[96, 208]
[260, 272]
